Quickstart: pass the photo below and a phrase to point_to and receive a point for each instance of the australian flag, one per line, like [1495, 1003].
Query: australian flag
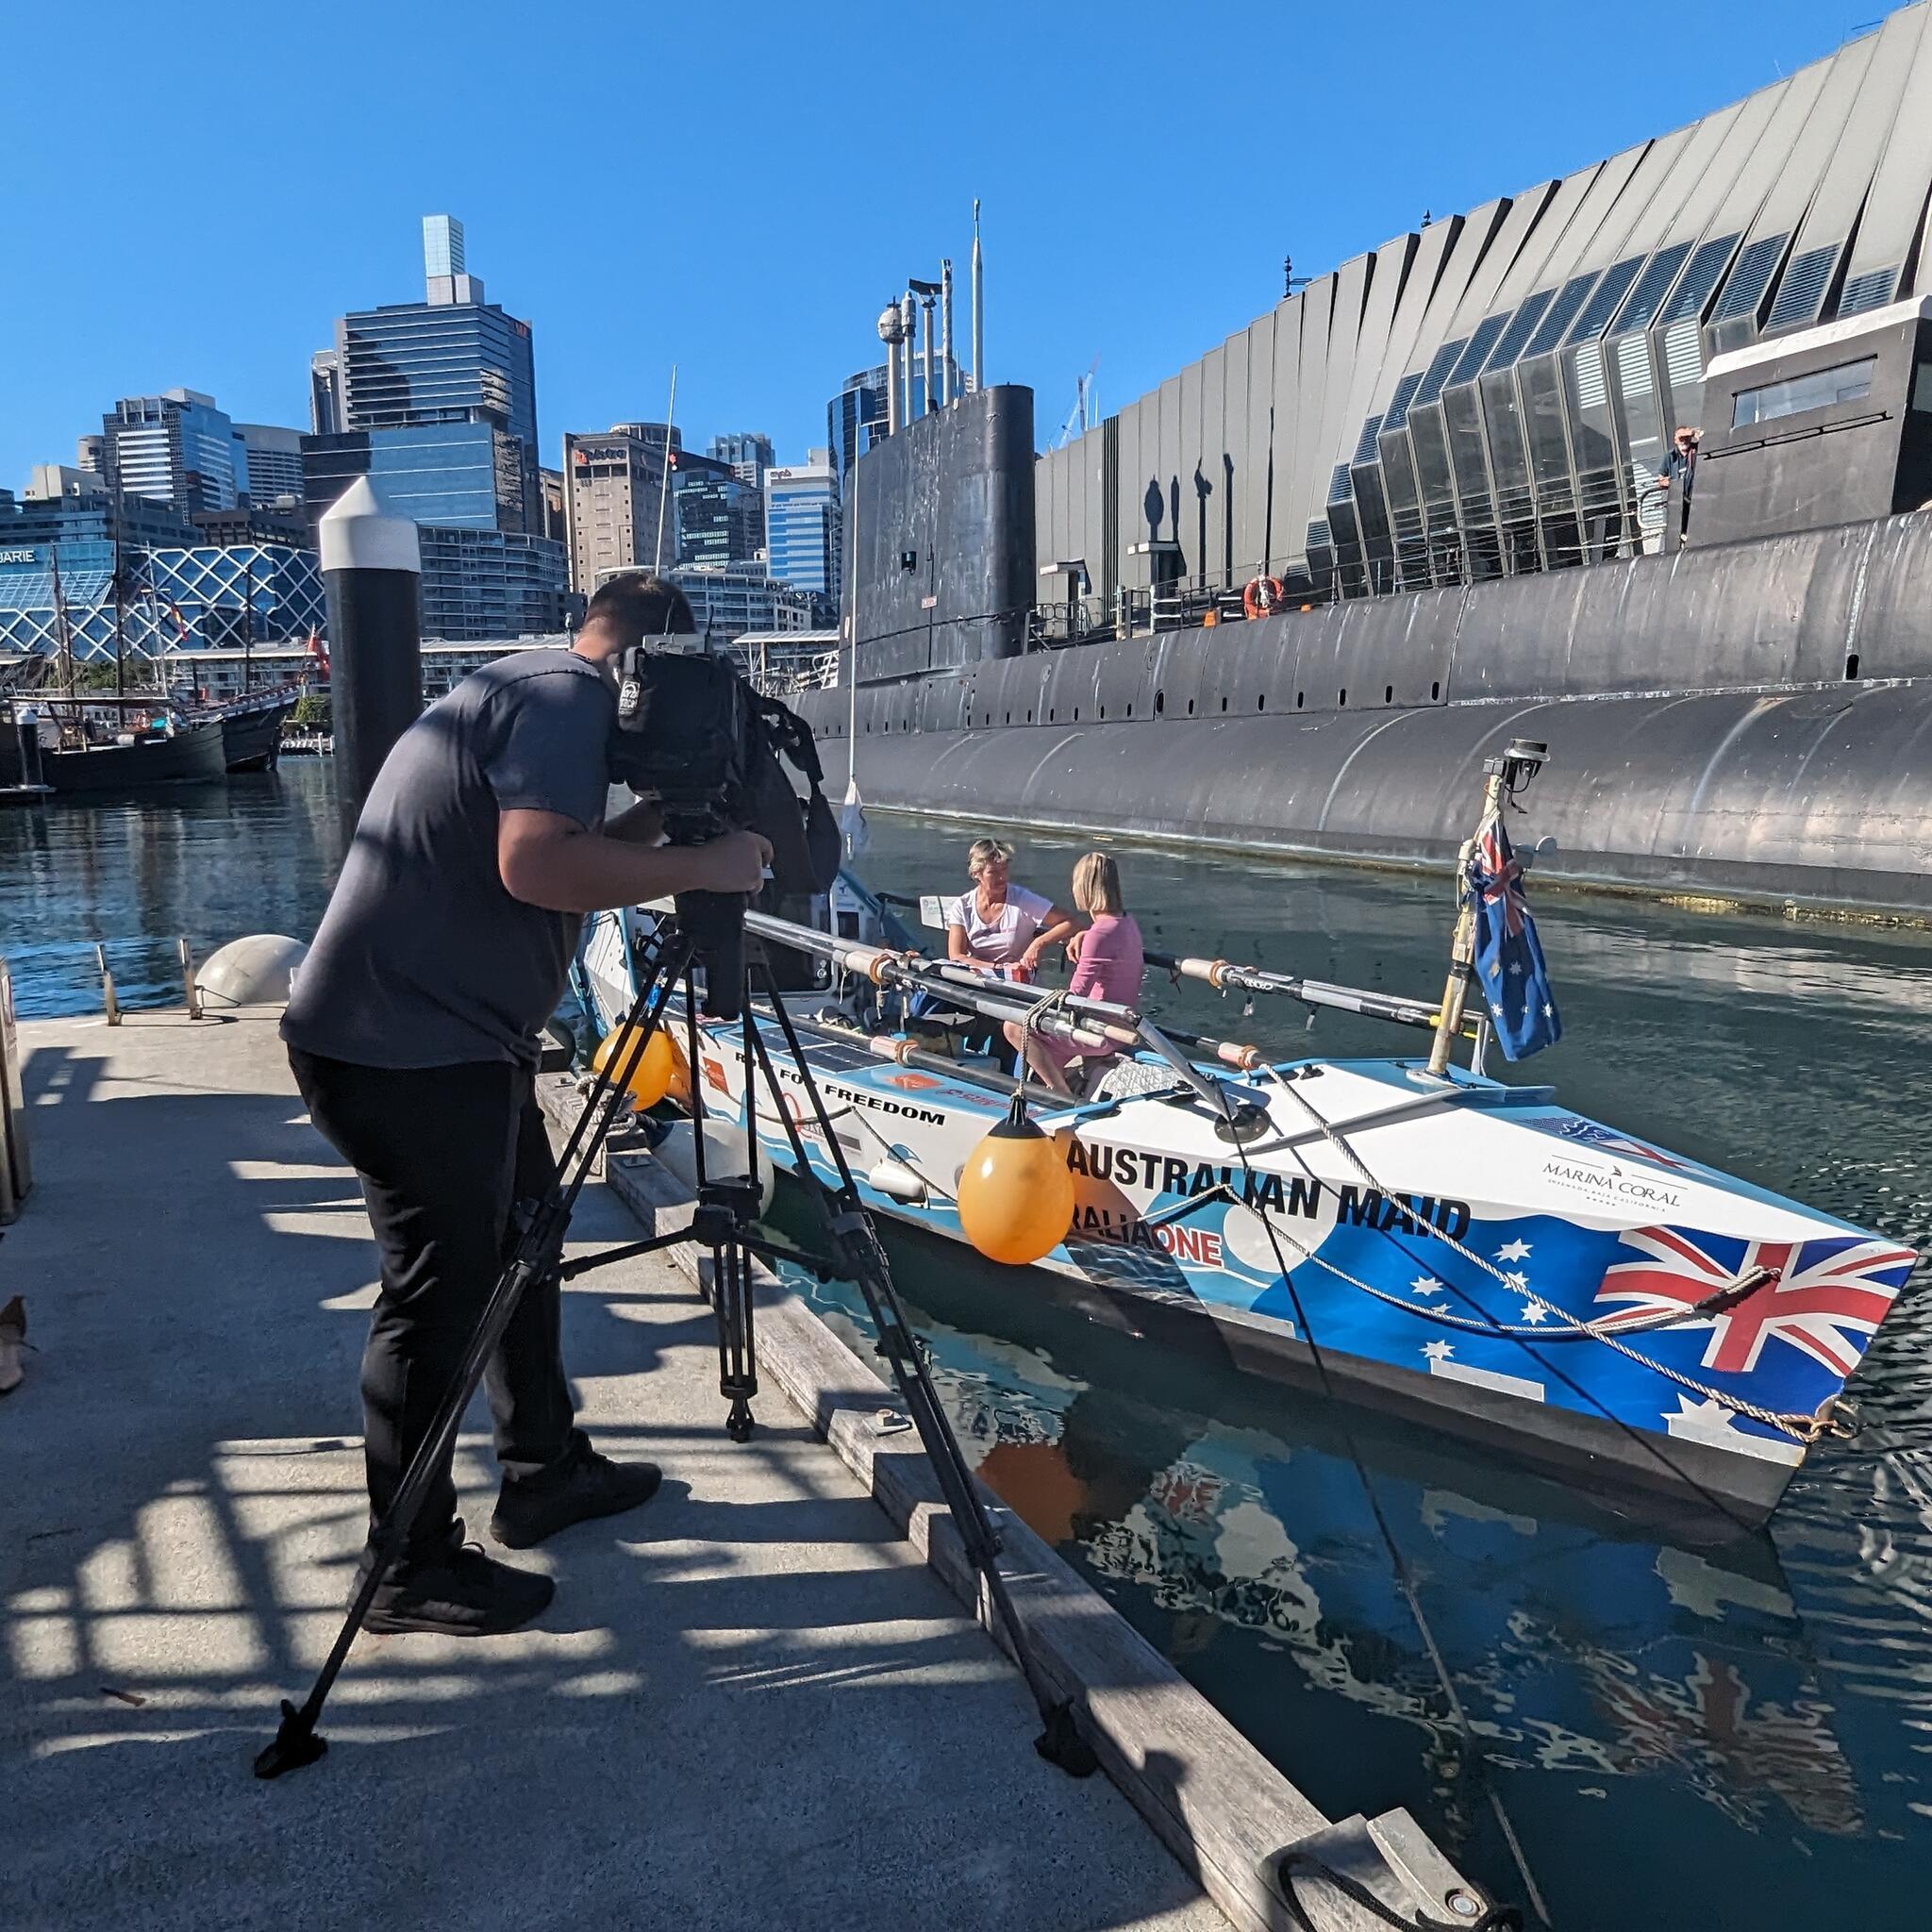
[1509, 957]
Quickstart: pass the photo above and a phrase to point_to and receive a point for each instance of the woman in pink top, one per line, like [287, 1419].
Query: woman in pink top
[1109, 963]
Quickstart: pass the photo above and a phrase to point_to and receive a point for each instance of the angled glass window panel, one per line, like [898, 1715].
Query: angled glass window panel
[1365, 443]
[1594, 316]
[1560, 314]
[1872, 289]
[1438, 373]
[1749, 279]
[1802, 291]
[1398, 404]
[1820, 389]
[1509, 344]
[1338, 484]
[1700, 280]
[1477, 351]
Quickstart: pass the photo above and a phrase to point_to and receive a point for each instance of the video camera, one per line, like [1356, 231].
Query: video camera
[693, 733]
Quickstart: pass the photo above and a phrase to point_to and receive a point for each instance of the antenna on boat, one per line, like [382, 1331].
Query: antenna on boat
[1505, 775]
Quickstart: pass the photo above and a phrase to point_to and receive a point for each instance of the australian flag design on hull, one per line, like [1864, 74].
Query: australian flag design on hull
[1787, 1345]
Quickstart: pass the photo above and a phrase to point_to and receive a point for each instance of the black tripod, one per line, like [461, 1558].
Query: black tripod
[721, 1222]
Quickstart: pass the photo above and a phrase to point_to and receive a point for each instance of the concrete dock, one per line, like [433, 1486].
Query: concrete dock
[751, 1705]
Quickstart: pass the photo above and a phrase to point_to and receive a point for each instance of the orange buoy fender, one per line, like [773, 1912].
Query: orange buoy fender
[657, 1069]
[1016, 1193]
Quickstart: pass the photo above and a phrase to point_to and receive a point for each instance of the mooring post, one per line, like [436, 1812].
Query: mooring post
[186, 953]
[371, 570]
[110, 1004]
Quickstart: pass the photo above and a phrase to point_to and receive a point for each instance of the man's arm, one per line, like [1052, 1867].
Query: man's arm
[546, 860]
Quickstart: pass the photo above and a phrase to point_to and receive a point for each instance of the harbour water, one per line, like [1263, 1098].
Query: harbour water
[1678, 1734]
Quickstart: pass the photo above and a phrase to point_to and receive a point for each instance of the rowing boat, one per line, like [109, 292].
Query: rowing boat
[1437, 1244]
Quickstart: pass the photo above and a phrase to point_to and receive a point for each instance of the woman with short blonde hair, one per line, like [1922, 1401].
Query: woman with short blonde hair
[999, 927]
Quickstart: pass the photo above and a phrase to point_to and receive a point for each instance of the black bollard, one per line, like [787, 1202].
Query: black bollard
[371, 569]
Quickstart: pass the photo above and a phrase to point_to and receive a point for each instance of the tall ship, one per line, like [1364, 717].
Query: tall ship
[1634, 462]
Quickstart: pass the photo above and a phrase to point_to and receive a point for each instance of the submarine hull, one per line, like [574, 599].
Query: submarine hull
[1794, 767]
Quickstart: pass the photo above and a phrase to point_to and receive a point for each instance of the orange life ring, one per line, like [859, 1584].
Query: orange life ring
[1262, 597]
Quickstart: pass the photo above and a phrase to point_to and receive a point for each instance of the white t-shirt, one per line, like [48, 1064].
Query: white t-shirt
[1002, 938]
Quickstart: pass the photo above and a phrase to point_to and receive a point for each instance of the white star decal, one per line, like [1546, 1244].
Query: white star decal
[1535, 1311]
[1513, 1251]
[1425, 1284]
[1517, 1281]
[1437, 1351]
[1516, 970]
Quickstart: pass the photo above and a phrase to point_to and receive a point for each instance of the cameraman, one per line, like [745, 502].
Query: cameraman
[412, 1030]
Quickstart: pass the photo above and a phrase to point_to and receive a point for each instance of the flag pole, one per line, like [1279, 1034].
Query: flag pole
[1503, 775]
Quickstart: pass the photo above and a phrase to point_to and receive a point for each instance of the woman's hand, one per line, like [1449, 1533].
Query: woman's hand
[1074, 947]
[1029, 961]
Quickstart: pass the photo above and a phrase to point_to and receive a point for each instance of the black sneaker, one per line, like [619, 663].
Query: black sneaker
[458, 1591]
[582, 1485]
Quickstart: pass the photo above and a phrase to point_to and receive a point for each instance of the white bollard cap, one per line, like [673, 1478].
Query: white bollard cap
[355, 533]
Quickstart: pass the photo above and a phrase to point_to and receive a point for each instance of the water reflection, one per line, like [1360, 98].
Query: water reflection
[1681, 1734]
[209, 863]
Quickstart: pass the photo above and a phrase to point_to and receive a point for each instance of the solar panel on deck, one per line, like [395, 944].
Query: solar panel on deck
[1652, 285]
[1478, 353]
[1509, 346]
[1802, 291]
[1872, 289]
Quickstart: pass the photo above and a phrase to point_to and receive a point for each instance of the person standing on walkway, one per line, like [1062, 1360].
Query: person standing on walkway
[412, 1033]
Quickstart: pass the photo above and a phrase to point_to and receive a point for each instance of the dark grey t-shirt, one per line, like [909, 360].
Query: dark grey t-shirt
[423, 960]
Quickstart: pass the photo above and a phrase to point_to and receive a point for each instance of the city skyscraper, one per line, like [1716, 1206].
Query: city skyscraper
[453, 364]
[436, 401]
[719, 516]
[614, 498]
[325, 392]
[856, 406]
[274, 460]
[802, 524]
[175, 448]
[750, 454]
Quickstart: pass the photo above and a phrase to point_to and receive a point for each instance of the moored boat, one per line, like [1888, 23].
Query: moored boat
[131, 761]
[1421, 1238]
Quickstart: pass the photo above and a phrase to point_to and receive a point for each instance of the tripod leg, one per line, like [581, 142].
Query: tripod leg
[737, 1380]
[296, 1742]
[855, 1245]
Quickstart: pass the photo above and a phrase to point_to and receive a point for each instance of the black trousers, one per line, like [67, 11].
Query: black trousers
[443, 1153]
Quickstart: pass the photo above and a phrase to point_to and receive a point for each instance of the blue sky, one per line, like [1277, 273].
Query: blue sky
[196, 190]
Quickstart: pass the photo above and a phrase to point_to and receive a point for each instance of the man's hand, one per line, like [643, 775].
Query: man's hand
[735, 863]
